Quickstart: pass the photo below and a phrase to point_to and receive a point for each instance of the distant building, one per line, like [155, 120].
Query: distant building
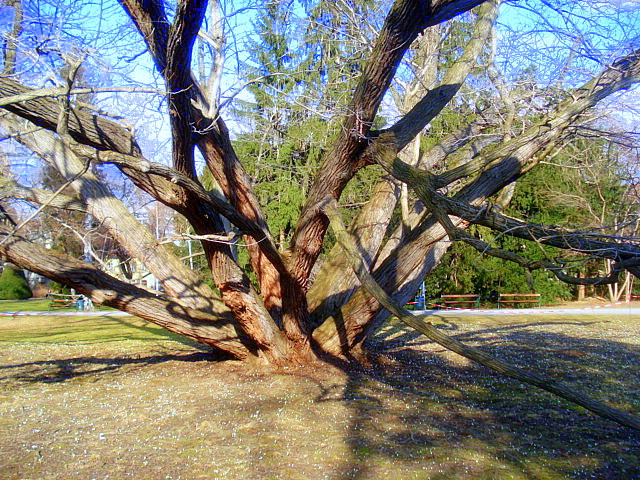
[131, 271]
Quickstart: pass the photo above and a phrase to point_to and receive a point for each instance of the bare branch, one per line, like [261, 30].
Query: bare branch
[10, 49]
[369, 284]
[42, 197]
[46, 203]
[84, 127]
[59, 92]
[215, 328]
[151, 20]
[437, 98]
[182, 34]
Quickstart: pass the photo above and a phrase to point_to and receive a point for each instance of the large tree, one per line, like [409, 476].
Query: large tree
[316, 300]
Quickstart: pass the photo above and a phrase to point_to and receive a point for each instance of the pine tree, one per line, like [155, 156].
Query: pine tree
[13, 284]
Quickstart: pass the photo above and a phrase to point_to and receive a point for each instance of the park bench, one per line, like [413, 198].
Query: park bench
[62, 301]
[515, 298]
[466, 300]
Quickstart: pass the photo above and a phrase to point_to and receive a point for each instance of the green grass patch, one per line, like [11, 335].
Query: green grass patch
[39, 305]
[62, 329]
[36, 305]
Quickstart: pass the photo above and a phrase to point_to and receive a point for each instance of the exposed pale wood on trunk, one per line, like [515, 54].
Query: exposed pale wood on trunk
[236, 186]
[283, 297]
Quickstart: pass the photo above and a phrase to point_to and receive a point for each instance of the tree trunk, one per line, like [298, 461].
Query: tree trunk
[581, 288]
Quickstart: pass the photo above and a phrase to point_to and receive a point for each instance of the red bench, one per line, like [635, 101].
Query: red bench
[467, 300]
[514, 298]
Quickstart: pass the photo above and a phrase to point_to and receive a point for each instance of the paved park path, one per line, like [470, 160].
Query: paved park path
[617, 310]
[604, 310]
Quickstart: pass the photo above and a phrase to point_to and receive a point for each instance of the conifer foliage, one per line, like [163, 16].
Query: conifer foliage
[13, 284]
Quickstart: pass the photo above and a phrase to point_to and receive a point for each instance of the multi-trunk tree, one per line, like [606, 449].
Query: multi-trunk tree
[309, 301]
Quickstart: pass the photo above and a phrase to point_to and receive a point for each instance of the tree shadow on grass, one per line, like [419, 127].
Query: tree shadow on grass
[62, 370]
[432, 414]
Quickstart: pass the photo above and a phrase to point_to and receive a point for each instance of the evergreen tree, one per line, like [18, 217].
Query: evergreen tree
[581, 187]
[13, 284]
[295, 78]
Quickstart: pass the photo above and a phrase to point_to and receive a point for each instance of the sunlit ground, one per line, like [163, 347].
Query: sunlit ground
[117, 398]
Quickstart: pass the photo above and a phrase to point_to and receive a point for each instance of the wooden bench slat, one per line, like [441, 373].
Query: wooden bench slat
[461, 299]
[63, 301]
[519, 298]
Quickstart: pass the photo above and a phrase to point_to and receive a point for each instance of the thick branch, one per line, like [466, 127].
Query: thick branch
[212, 139]
[87, 129]
[437, 98]
[412, 256]
[125, 228]
[10, 48]
[403, 24]
[282, 296]
[214, 329]
[60, 92]
[536, 379]
[229, 277]
[84, 127]
[151, 20]
[334, 283]
[430, 197]
[619, 76]
[576, 241]
[582, 242]
[216, 202]
[182, 34]
[233, 284]
[41, 197]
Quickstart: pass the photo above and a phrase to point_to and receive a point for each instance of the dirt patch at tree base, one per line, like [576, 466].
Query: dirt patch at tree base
[165, 410]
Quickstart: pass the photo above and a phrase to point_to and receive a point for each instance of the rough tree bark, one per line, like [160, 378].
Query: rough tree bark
[287, 319]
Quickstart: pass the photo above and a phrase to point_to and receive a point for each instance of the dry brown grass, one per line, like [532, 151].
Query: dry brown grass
[129, 402]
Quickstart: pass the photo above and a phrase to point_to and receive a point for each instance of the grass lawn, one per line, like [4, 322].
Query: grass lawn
[36, 305]
[115, 397]
[33, 305]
